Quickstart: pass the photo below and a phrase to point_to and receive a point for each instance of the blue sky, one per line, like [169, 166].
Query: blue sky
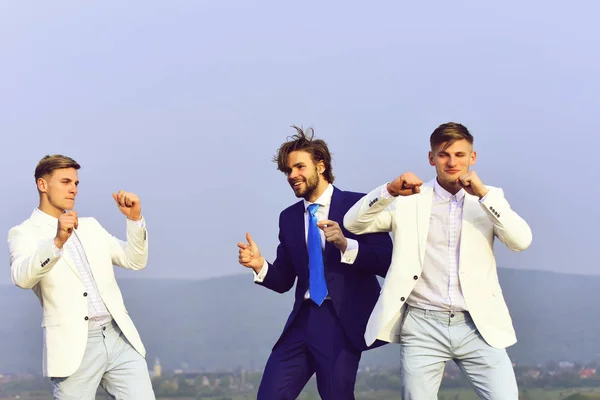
[185, 103]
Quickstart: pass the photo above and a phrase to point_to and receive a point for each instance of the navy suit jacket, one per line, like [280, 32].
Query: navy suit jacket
[353, 288]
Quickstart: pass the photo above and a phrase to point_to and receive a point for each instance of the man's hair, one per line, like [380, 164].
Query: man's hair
[449, 133]
[305, 141]
[50, 163]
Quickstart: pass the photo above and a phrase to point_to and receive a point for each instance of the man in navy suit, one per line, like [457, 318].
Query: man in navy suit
[337, 286]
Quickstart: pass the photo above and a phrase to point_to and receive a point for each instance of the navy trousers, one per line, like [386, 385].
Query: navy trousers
[315, 343]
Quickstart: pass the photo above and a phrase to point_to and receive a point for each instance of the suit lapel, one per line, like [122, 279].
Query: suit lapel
[423, 216]
[71, 264]
[471, 209]
[335, 214]
[88, 251]
[299, 237]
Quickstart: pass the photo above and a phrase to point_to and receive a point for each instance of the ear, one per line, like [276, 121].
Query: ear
[321, 167]
[431, 160]
[42, 185]
[473, 158]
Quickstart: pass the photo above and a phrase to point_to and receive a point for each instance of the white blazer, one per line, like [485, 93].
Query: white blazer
[57, 284]
[408, 220]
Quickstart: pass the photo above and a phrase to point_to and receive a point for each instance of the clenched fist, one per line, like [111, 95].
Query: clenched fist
[66, 223]
[129, 204]
[405, 185]
[472, 184]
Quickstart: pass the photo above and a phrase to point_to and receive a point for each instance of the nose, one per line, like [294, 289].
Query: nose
[451, 161]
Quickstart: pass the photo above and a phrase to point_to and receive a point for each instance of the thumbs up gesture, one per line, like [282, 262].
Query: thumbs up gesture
[250, 256]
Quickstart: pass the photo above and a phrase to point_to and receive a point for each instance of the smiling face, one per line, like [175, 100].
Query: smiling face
[305, 176]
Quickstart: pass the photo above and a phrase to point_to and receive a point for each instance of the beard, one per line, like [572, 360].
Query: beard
[311, 184]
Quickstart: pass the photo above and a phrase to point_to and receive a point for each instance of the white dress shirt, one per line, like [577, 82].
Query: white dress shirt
[322, 213]
[439, 288]
[98, 314]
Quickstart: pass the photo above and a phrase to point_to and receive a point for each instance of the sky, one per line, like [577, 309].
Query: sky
[185, 102]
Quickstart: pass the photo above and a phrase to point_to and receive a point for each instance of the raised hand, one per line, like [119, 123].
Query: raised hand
[66, 223]
[405, 185]
[249, 254]
[472, 184]
[333, 234]
[129, 204]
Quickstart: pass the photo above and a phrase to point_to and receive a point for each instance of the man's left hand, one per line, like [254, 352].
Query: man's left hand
[333, 234]
[129, 204]
[472, 184]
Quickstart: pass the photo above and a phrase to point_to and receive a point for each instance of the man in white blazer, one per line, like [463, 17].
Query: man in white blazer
[441, 299]
[89, 338]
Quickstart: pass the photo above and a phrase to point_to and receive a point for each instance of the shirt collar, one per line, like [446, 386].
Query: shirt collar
[324, 199]
[446, 195]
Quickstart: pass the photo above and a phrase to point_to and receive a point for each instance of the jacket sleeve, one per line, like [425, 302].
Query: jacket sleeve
[509, 227]
[281, 275]
[30, 261]
[373, 213]
[130, 254]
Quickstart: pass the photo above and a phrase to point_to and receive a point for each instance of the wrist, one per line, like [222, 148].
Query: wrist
[135, 218]
[58, 243]
[258, 269]
[391, 191]
[483, 193]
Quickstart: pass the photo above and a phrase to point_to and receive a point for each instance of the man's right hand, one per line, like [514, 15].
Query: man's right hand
[405, 185]
[66, 223]
[250, 255]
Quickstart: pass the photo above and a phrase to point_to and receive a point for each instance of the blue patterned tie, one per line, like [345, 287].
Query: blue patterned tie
[318, 287]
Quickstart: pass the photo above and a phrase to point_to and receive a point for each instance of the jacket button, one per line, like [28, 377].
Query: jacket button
[86, 318]
[84, 294]
[415, 277]
[402, 299]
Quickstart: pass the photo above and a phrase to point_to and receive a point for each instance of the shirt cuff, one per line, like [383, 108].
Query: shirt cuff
[258, 278]
[481, 200]
[56, 252]
[139, 223]
[349, 256]
[385, 194]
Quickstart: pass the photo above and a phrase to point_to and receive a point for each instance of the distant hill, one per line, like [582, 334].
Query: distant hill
[229, 322]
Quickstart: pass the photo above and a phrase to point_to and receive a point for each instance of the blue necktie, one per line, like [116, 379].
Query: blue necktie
[318, 287]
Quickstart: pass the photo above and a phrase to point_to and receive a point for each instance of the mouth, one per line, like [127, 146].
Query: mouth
[296, 184]
[452, 171]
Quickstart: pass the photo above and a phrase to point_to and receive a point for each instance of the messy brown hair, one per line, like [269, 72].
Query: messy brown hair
[304, 141]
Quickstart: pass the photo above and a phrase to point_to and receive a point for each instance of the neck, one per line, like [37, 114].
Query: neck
[323, 184]
[49, 209]
[451, 188]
